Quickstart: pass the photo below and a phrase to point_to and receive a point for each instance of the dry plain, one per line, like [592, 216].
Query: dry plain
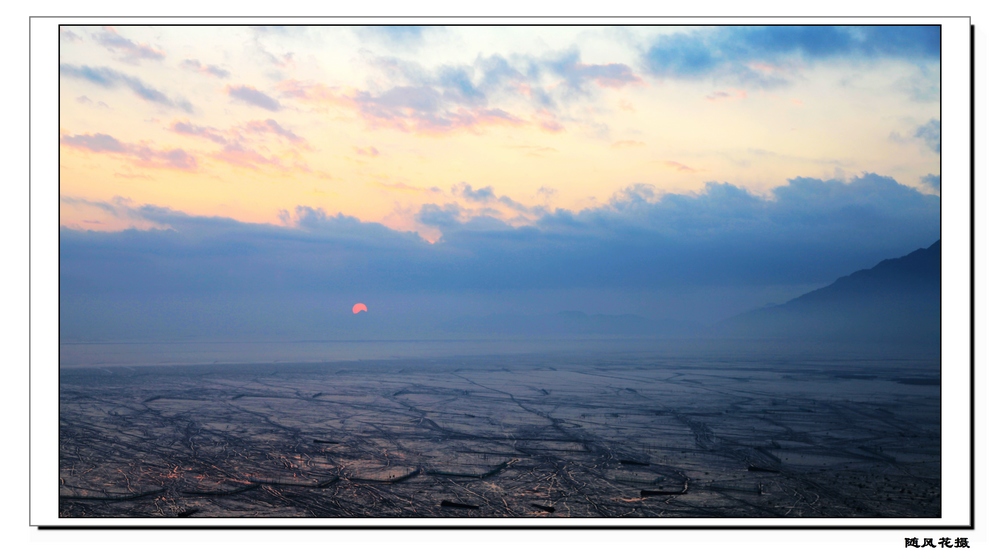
[562, 435]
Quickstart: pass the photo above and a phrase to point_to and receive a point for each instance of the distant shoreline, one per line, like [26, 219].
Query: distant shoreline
[174, 353]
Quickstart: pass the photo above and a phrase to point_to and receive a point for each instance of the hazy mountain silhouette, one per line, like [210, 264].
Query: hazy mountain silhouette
[898, 300]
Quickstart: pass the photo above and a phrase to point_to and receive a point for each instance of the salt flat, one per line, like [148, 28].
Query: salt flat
[567, 435]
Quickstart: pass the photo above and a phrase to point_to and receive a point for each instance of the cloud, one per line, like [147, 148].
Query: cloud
[137, 154]
[491, 92]
[548, 81]
[758, 55]
[546, 192]
[930, 134]
[366, 152]
[932, 183]
[731, 95]
[548, 121]
[283, 61]
[808, 230]
[577, 75]
[107, 207]
[208, 69]
[241, 156]
[484, 194]
[270, 126]
[406, 36]
[681, 55]
[922, 85]
[253, 96]
[315, 93]
[244, 145]
[486, 197]
[68, 36]
[679, 167]
[171, 159]
[825, 41]
[238, 134]
[108, 78]
[188, 129]
[84, 100]
[166, 276]
[282, 30]
[129, 51]
[96, 143]
[425, 110]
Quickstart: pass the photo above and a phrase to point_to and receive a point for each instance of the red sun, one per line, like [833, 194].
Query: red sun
[358, 307]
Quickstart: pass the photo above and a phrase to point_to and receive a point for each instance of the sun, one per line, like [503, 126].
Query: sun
[360, 307]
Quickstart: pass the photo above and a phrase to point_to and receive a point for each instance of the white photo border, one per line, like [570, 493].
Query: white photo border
[956, 234]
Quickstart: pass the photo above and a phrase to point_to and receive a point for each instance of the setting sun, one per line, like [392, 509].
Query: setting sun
[359, 307]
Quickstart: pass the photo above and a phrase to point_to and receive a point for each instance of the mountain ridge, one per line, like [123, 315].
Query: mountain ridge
[897, 300]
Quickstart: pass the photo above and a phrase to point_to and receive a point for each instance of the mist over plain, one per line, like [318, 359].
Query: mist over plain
[665, 262]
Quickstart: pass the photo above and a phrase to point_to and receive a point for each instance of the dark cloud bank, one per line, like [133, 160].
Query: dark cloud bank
[216, 278]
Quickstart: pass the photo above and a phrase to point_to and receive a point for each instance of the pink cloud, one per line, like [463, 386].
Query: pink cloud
[236, 134]
[370, 151]
[140, 155]
[270, 126]
[679, 167]
[207, 69]
[188, 129]
[174, 158]
[548, 122]
[615, 76]
[242, 148]
[240, 156]
[314, 93]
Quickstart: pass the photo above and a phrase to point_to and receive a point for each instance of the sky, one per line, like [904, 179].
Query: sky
[688, 172]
